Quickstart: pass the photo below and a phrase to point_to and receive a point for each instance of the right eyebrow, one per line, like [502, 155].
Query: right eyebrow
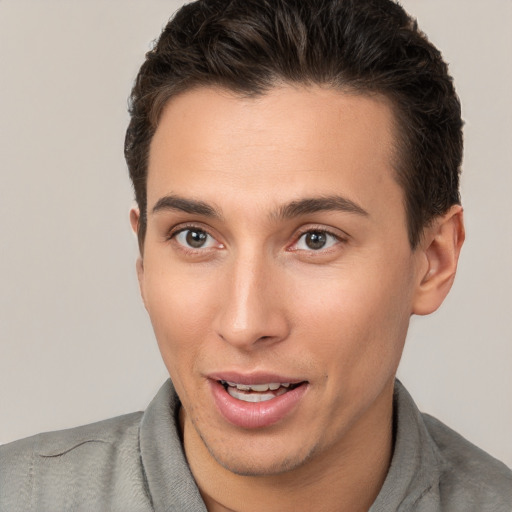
[177, 203]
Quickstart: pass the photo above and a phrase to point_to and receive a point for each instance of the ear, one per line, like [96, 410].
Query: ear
[134, 221]
[439, 251]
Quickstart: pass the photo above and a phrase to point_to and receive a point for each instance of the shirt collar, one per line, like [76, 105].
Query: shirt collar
[416, 463]
[170, 483]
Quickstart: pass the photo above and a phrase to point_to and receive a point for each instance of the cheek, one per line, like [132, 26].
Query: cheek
[359, 317]
[180, 309]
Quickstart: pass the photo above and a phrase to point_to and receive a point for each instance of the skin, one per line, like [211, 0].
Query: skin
[257, 298]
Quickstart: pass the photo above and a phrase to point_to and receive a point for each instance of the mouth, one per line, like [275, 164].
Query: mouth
[258, 392]
[255, 401]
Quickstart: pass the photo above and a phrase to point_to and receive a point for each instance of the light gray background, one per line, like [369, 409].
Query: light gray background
[75, 343]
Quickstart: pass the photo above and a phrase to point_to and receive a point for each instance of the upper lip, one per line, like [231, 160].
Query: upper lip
[253, 378]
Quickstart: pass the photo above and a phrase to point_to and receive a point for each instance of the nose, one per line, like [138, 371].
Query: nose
[252, 307]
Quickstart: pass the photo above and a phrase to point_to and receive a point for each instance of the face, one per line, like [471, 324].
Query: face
[277, 270]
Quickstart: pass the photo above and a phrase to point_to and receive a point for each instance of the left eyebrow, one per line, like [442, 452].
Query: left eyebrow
[319, 204]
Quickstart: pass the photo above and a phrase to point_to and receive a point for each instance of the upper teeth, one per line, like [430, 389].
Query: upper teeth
[258, 387]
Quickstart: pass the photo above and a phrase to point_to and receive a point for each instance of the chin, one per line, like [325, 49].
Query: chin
[260, 461]
[259, 467]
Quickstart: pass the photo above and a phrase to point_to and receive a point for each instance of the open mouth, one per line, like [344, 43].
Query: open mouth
[258, 392]
[254, 403]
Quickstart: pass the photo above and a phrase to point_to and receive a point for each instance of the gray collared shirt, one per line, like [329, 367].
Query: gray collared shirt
[136, 463]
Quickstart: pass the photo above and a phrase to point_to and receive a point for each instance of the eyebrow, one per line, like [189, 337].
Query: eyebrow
[181, 204]
[319, 204]
[293, 209]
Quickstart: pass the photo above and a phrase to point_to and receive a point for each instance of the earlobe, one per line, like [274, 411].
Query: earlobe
[441, 245]
[139, 265]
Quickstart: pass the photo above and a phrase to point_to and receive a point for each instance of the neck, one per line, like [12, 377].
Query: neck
[346, 478]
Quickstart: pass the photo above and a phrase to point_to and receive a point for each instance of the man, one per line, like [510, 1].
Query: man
[296, 169]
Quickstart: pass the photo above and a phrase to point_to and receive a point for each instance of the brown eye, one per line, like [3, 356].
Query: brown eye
[194, 238]
[315, 239]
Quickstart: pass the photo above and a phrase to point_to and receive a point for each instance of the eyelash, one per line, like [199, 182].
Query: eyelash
[318, 230]
[194, 251]
[173, 234]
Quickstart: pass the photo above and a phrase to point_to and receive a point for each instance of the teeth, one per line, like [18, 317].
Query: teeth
[253, 397]
[250, 397]
[259, 388]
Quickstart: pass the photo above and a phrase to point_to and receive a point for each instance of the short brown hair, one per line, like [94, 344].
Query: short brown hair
[370, 46]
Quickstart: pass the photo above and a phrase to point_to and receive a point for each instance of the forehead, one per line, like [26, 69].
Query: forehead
[290, 142]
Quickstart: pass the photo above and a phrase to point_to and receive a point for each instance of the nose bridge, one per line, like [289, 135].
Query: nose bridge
[250, 311]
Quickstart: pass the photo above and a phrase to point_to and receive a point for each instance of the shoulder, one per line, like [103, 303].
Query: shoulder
[468, 474]
[50, 444]
[45, 467]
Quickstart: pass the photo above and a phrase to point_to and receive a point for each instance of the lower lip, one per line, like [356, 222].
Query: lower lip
[255, 415]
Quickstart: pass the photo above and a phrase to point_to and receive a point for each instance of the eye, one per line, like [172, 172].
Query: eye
[195, 238]
[315, 241]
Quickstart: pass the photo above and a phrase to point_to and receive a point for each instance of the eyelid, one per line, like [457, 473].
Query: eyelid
[190, 226]
[339, 235]
[336, 232]
[183, 226]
